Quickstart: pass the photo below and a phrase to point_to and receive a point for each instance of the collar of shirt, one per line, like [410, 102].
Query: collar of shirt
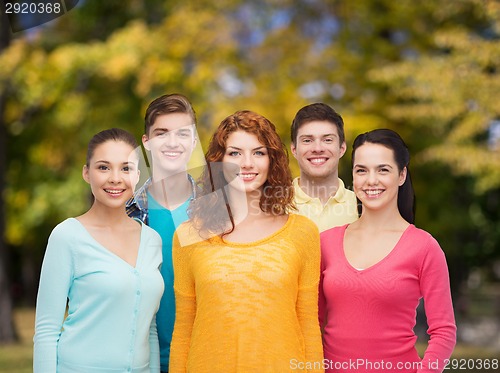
[140, 198]
[302, 197]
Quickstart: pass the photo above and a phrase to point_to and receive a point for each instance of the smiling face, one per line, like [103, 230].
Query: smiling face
[171, 140]
[318, 150]
[246, 162]
[112, 173]
[376, 177]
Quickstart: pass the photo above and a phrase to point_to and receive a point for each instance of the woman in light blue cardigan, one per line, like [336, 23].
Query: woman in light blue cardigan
[102, 268]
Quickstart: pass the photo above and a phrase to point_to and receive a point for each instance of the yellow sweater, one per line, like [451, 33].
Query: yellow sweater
[248, 307]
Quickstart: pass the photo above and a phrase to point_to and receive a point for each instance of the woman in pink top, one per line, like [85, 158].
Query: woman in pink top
[375, 271]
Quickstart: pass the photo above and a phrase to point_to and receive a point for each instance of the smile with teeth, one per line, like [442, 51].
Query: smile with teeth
[373, 192]
[114, 191]
[247, 176]
[318, 161]
[171, 154]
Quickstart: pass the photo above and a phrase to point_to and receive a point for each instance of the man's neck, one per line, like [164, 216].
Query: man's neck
[171, 191]
[322, 188]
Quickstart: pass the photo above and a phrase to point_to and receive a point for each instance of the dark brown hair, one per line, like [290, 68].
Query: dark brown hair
[392, 140]
[318, 111]
[167, 104]
[112, 134]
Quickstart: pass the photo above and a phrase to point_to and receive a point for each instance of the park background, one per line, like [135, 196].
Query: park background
[427, 69]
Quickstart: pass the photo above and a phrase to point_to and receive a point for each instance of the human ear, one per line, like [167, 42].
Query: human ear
[293, 148]
[402, 176]
[85, 174]
[135, 179]
[343, 148]
[145, 140]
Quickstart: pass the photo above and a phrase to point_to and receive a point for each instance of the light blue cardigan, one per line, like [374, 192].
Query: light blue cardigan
[110, 326]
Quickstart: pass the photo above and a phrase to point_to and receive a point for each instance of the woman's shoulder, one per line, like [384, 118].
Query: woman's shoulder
[188, 234]
[302, 222]
[65, 235]
[420, 235]
[302, 230]
[333, 232]
[149, 233]
[419, 243]
[66, 229]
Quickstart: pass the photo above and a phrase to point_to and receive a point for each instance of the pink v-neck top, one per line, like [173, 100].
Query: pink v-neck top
[368, 315]
[110, 326]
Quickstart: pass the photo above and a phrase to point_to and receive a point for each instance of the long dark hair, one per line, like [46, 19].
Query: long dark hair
[392, 140]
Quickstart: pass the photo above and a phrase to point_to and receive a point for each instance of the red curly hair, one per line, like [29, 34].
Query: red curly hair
[277, 192]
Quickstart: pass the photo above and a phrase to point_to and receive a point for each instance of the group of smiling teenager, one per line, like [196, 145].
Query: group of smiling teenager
[244, 269]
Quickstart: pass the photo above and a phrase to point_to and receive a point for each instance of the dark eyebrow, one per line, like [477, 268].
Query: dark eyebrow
[107, 162]
[163, 130]
[236, 148]
[378, 166]
[325, 135]
[156, 130]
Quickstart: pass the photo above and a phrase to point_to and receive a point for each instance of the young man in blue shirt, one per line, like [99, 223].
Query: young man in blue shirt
[162, 202]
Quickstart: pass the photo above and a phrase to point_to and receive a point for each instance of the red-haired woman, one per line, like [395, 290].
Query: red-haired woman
[245, 272]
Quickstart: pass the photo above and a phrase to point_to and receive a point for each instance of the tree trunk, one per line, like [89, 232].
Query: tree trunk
[7, 330]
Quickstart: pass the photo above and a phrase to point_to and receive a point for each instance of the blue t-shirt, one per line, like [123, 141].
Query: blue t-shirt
[165, 222]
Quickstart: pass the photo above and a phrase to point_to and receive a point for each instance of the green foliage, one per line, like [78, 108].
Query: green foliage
[426, 69]
[445, 101]
[452, 94]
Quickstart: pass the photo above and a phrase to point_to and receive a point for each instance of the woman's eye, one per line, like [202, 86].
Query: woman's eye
[260, 153]
[233, 153]
[102, 168]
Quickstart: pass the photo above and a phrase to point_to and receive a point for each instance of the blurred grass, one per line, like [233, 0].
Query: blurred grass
[18, 358]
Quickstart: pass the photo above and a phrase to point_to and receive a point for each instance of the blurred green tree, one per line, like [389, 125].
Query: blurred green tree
[7, 331]
[404, 65]
[447, 102]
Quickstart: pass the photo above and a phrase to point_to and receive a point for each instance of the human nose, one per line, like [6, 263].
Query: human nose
[317, 146]
[172, 140]
[247, 161]
[114, 176]
[372, 178]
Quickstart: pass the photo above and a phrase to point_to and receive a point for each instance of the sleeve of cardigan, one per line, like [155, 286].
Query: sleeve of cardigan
[185, 307]
[55, 281]
[435, 289]
[154, 348]
[154, 343]
[307, 236]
